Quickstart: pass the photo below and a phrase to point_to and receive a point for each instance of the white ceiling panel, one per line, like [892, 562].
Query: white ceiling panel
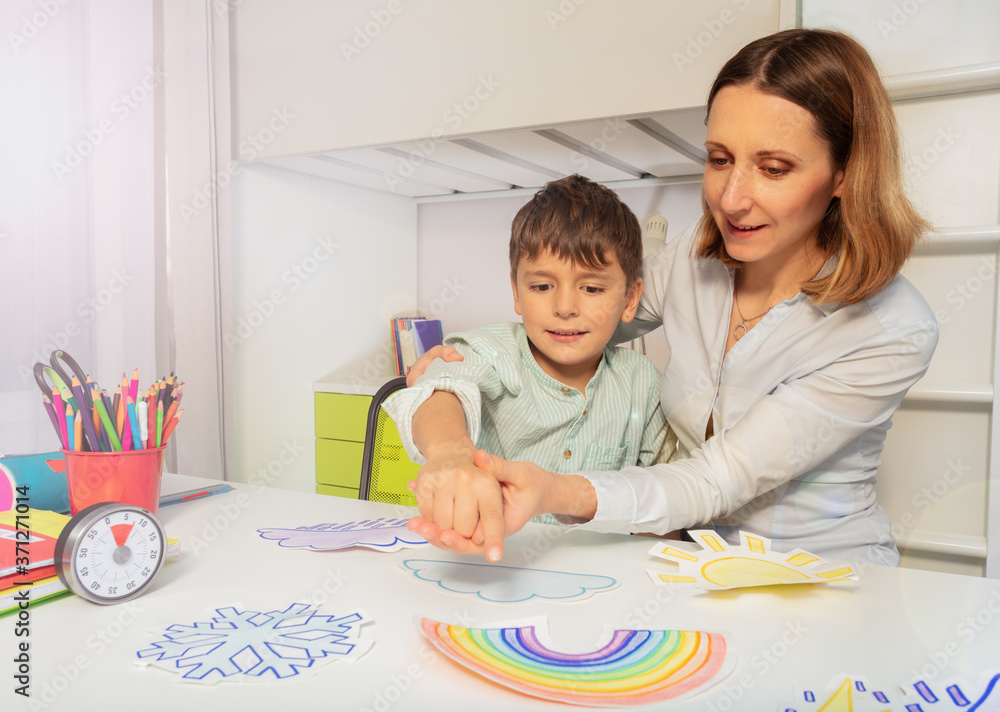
[551, 155]
[627, 143]
[473, 157]
[345, 172]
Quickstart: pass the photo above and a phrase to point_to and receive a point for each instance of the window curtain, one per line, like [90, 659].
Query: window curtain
[108, 119]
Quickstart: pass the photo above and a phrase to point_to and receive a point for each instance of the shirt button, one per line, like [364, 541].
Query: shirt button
[566, 389]
[567, 454]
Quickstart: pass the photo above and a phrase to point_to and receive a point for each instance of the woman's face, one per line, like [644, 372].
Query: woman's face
[769, 178]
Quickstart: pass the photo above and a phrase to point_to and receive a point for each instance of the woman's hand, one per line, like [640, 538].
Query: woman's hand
[445, 353]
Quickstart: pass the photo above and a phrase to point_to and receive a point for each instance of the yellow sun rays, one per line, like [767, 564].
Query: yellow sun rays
[717, 565]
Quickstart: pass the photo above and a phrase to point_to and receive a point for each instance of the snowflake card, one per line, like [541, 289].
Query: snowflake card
[754, 563]
[382, 534]
[242, 646]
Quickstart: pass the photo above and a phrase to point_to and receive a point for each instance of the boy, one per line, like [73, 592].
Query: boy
[550, 390]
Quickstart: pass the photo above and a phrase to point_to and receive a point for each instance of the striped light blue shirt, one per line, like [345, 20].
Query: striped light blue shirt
[517, 411]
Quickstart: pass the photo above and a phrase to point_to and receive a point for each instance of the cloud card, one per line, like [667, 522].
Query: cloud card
[508, 584]
[382, 534]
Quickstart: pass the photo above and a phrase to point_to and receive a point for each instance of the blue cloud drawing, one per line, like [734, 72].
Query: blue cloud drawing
[508, 584]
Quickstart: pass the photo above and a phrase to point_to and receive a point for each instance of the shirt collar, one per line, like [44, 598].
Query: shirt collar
[532, 367]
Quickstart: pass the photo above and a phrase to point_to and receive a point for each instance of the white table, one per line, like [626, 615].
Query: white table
[895, 622]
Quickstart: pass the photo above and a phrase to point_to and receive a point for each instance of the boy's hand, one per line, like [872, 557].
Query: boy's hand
[521, 485]
[456, 496]
[445, 353]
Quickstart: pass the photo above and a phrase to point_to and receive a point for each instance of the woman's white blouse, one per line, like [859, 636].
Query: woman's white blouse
[800, 406]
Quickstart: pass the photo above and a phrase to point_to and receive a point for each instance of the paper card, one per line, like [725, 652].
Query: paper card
[719, 566]
[625, 667]
[382, 534]
[248, 646]
[851, 692]
[507, 584]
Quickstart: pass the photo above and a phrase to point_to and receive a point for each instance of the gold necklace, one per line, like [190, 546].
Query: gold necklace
[737, 333]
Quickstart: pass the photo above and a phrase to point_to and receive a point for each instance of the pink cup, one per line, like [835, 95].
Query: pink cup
[131, 477]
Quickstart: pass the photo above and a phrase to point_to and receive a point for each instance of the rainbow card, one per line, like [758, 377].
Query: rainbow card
[629, 667]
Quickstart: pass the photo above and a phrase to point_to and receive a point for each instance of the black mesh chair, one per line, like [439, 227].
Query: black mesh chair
[385, 466]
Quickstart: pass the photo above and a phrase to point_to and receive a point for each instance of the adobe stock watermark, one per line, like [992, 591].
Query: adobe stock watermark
[247, 149]
[364, 34]
[375, 368]
[224, 7]
[49, 692]
[294, 277]
[232, 504]
[402, 681]
[87, 311]
[697, 43]
[31, 25]
[927, 496]
[898, 16]
[763, 661]
[966, 631]
[610, 132]
[968, 289]
[918, 164]
[453, 117]
[642, 615]
[562, 12]
[127, 102]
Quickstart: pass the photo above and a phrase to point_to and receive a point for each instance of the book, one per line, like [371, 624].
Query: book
[44, 474]
[412, 336]
[52, 586]
[38, 540]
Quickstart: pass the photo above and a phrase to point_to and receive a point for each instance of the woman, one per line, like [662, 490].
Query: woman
[792, 336]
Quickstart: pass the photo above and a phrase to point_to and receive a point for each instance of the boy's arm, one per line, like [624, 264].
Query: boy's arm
[451, 491]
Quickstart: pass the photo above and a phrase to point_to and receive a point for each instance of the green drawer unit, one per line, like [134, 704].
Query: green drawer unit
[341, 419]
[341, 416]
[392, 467]
[338, 463]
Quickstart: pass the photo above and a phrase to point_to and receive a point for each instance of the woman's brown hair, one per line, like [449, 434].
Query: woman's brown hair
[872, 228]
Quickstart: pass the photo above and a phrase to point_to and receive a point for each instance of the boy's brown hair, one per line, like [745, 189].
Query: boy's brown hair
[580, 220]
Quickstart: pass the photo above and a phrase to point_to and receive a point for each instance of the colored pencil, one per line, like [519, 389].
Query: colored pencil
[133, 389]
[82, 407]
[142, 415]
[169, 415]
[70, 430]
[133, 422]
[78, 432]
[57, 403]
[159, 422]
[47, 402]
[151, 419]
[173, 424]
[109, 427]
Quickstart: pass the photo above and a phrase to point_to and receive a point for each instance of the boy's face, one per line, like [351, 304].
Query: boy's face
[570, 312]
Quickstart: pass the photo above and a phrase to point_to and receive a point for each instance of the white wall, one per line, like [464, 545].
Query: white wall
[313, 262]
[935, 475]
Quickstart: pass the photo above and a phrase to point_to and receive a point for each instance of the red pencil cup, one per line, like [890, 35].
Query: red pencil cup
[131, 477]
